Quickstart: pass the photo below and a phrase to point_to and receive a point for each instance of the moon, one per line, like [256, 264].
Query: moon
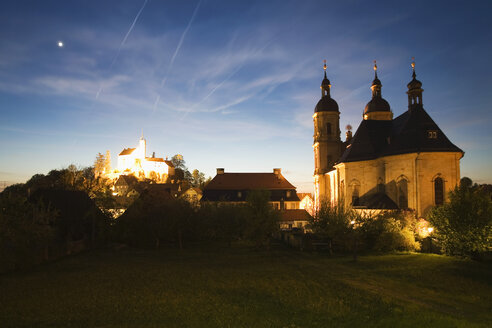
[60, 44]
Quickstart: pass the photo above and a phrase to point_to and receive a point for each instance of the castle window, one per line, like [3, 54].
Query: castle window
[432, 134]
[438, 191]
[328, 128]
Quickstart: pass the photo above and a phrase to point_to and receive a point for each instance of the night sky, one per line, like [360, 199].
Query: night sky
[231, 84]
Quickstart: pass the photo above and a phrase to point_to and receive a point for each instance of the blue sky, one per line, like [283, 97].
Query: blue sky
[230, 84]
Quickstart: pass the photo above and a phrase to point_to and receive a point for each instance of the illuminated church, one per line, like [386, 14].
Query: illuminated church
[401, 163]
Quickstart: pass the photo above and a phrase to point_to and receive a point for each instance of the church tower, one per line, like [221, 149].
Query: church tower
[378, 108]
[414, 91]
[327, 145]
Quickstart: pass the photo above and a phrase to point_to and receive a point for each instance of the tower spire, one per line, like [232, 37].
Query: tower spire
[413, 68]
[325, 84]
[414, 90]
[376, 83]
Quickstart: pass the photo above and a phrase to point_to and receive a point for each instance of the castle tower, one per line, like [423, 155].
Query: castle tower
[326, 143]
[377, 109]
[142, 148]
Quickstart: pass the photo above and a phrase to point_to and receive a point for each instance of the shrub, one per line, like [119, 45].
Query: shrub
[463, 225]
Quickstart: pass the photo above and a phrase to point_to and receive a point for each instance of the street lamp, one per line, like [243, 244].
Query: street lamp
[354, 240]
[429, 230]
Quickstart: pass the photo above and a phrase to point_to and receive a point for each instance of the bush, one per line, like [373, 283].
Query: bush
[332, 223]
[463, 226]
[389, 231]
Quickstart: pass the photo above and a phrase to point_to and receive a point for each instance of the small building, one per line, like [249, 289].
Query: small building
[192, 195]
[125, 184]
[234, 188]
[290, 219]
[307, 202]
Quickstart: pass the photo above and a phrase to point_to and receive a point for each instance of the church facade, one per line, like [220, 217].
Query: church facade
[405, 162]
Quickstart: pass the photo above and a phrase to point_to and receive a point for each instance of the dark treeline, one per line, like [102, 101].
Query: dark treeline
[153, 223]
[67, 211]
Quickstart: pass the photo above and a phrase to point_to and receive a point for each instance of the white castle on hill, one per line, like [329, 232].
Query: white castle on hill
[135, 161]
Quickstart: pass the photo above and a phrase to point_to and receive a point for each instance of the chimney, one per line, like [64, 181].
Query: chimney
[277, 171]
[220, 171]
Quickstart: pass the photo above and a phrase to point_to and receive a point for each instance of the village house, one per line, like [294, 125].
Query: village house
[234, 188]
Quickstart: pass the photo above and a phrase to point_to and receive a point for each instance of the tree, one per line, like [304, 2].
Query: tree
[99, 164]
[26, 230]
[331, 222]
[262, 219]
[180, 169]
[197, 179]
[107, 162]
[464, 224]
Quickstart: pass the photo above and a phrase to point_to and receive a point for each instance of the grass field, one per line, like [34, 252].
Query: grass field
[240, 287]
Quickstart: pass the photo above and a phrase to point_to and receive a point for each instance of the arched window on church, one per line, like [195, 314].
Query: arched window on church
[438, 191]
[402, 188]
[355, 186]
[328, 128]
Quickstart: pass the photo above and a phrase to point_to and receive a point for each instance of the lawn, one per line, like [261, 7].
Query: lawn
[241, 287]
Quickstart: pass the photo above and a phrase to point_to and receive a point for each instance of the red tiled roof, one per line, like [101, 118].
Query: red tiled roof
[127, 151]
[294, 215]
[249, 181]
[154, 159]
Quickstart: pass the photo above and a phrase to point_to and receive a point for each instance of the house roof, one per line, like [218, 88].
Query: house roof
[154, 159]
[294, 215]
[126, 180]
[249, 181]
[408, 133]
[126, 151]
[193, 189]
[304, 194]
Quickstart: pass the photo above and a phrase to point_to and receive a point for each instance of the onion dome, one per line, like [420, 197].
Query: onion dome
[377, 103]
[326, 103]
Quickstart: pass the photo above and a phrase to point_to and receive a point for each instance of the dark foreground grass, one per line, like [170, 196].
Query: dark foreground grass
[240, 287]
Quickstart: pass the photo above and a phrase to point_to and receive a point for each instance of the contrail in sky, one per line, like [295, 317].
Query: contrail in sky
[123, 42]
[171, 63]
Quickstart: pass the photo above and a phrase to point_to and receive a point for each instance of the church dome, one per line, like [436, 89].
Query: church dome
[377, 104]
[326, 104]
